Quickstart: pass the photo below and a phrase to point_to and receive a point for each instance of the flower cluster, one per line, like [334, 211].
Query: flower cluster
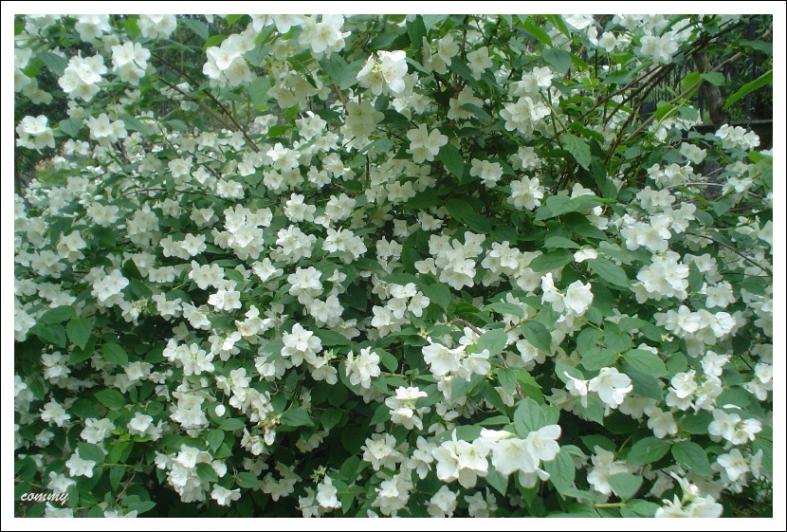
[323, 265]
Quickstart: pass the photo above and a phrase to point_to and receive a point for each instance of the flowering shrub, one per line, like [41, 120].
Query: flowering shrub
[387, 265]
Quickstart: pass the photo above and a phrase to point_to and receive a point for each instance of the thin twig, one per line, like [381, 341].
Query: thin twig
[741, 255]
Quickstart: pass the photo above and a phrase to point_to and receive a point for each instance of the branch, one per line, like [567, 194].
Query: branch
[215, 100]
[741, 255]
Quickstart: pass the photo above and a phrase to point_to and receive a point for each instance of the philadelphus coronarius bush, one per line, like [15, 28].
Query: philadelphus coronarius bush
[387, 266]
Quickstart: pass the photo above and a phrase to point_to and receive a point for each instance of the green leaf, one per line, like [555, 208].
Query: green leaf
[561, 470]
[78, 331]
[450, 156]
[557, 22]
[460, 67]
[748, 88]
[439, 294]
[54, 62]
[503, 307]
[461, 211]
[50, 334]
[331, 338]
[381, 414]
[696, 423]
[388, 360]
[538, 335]
[341, 72]
[560, 242]
[114, 353]
[231, 424]
[330, 418]
[111, 398]
[647, 450]
[206, 473]
[692, 456]
[134, 124]
[610, 272]
[116, 474]
[247, 480]
[625, 485]
[91, 451]
[639, 508]
[296, 417]
[533, 29]
[416, 30]
[596, 358]
[587, 339]
[430, 21]
[56, 315]
[482, 115]
[258, 91]
[530, 387]
[70, 126]
[134, 503]
[528, 416]
[199, 28]
[644, 384]
[578, 149]
[559, 205]
[558, 59]
[497, 481]
[494, 341]
[214, 438]
[553, 260]
[714, 78]
[645, 362]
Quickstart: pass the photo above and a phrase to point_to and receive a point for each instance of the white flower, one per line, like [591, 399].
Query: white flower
[109, 286]
[225, 299]
[524, 115]
[489, 172]
[462, 461]
[578, 388]
[578, 297]
[478, 61]
[325, 35]
[441, 359]
[424, 145]
[300, 344]
[683, 384]
[402, 406]
[387, 70]
[53, 412]
[542, 443]
[578, 22]
[139, 424]
[96, 430]
[81, 77]
[326, 495]
[442, 503]
[734, 464]
[660, 49]
[513, 454]
[129, 61]
[585, 254]
[604, 466]
[364, 368]
[662, 423]
[35, 133]
[611, 386]
[224, 496]
[79, 467]
[693, 153]
[157, 26]
[526, 193]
